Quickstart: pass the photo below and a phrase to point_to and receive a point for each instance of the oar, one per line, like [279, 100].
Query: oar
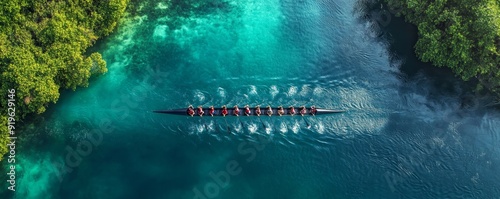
[204, 123]
[228, 129]
[262, 122]
[215, 125]
[258, 115]
[315, 118]
[242, 126]
[272, 122]
[215, 121]
[308, 125]
[201, 116]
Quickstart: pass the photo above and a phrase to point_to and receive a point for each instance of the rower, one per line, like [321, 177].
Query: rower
[211, 110]
[280, 110]
[200, 111]
[190, 111]
[313, 110]
[224, 111]
[291, 111]
[269, 111]
[257, 110]
[236, 110]
[303, 110]
[247, 110]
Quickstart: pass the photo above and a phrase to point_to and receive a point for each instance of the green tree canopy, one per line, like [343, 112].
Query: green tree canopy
[460, 34]
[43, 45]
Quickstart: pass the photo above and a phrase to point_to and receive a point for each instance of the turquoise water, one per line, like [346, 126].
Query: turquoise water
[403, 135]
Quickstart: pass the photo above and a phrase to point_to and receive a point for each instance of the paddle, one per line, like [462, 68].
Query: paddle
[242, 126]
[262, 122]
[272, 123]
[200, 113]
[308, 125]
[228, 129]
[204, 123]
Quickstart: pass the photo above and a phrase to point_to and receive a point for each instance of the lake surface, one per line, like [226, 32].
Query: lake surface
[404, 135]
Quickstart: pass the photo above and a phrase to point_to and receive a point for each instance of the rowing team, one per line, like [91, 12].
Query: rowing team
[236, 111]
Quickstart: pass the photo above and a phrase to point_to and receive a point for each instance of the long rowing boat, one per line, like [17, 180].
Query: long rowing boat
[230, 111]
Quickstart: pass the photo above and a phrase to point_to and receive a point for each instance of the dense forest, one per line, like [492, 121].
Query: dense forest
[43, 47]
[460, 34]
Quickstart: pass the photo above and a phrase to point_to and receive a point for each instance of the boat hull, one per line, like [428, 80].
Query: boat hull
[218, 112]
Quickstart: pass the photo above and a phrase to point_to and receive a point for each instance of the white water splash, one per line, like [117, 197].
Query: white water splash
[296, 127]
[253, 90]
[320, 127]
[268, 129]
[304, 91]
[292, 91]
[199, 96]
[252, 128]
[200, 128]
[221, 92]
[283, 128]
[274, 91]
[318, 91]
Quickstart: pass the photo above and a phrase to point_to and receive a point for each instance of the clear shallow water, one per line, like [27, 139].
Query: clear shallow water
[401, 137]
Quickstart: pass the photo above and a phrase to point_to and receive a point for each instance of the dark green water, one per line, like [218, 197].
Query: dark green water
[406, 133]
